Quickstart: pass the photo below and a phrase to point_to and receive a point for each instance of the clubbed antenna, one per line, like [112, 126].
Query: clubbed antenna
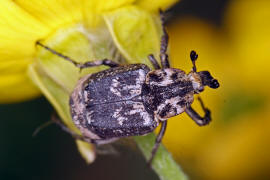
[193, 57]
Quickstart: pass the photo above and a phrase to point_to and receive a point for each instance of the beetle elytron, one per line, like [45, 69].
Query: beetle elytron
[132, 100]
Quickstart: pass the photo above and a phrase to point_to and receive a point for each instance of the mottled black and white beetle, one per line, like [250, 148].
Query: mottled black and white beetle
[132, 100]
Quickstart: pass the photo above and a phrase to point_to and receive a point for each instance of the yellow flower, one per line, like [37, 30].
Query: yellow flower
[123, 30]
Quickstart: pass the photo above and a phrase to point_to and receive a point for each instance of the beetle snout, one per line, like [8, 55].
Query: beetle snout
[214, 84]
[208, 80]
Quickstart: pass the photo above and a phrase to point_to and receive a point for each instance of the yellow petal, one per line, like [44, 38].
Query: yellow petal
[18, 32]
[94, 9]
[99, 6]
[53, 13]
[14, 66]
[156, 5]
[16, 87]
[135, 32]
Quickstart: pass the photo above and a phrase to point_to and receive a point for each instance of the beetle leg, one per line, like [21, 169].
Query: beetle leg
[57, 121]
[158, 141]
[164, 44]
[105, 62]
[201, 121]
[154, 62]
[38, 129]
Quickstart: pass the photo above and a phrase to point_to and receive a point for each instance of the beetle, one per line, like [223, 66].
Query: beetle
[132, 100]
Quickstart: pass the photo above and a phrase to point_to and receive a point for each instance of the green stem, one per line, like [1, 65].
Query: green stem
[163, 163]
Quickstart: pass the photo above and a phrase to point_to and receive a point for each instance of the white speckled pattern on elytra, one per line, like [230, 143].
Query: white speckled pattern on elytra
[116, 86]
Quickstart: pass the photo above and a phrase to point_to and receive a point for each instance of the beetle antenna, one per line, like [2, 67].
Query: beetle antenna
[193, 57]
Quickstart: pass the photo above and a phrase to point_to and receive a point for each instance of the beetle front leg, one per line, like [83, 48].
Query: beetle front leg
[154, 62]
[88, 64]
[158, 141]
[201, 121]
[163, 48]
[164, 44]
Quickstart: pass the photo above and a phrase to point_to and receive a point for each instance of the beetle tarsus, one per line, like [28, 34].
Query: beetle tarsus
[201, 121]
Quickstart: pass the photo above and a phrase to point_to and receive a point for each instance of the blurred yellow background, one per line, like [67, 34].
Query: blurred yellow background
[236, 144]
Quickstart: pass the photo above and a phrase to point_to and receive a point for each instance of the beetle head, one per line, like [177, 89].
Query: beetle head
[208, 80]
[202, 78]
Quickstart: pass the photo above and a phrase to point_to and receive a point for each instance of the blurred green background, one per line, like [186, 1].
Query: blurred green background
[233, 43]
